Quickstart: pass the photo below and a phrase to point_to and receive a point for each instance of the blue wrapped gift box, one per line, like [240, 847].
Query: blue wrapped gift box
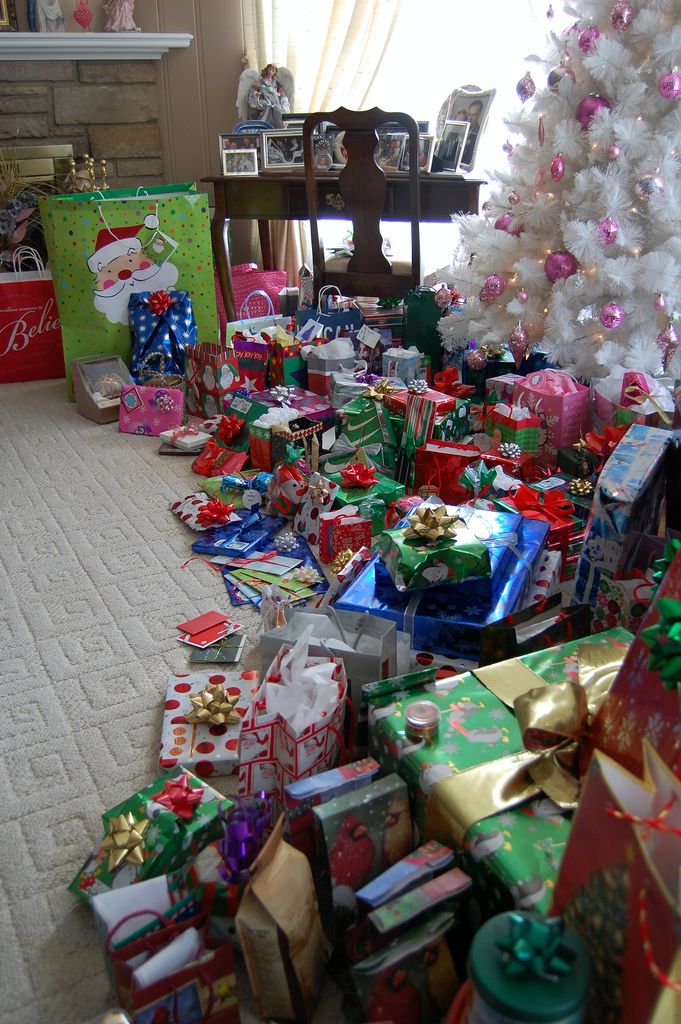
[239, 539]
[447, 620]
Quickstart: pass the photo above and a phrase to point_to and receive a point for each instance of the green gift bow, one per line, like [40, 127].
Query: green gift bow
[664, 640]
[293, 453]
[534, 947]
[660, 565]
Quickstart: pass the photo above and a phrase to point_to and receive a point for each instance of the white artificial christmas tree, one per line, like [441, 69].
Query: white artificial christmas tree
[579, 250]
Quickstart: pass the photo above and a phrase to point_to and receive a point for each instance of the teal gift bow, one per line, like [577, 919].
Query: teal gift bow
[534, 946]
[293, 454]
[660, 565]
[664, 640]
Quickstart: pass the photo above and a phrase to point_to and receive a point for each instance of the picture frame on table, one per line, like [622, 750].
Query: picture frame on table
[426, 145]
[471, 104]
[451, 145]
[237, 140]
[8, 16]
[282, 150]
[240, 161]
[390, 151]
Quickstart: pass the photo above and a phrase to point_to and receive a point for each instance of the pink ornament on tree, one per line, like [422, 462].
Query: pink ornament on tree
[443, 297]
[586, 40]
[513, 198]
[526, 87]
[659, 304]
[557, 167]
[669, 85]
[613, 151]
[486, 207]
[611, 316]
[502, 223]
[560, 265]
[494, 285]
[608, 230]
[668, 340]
[517, 343]
[476, 359]
[521, 296]
[589, 107]
[622, 15]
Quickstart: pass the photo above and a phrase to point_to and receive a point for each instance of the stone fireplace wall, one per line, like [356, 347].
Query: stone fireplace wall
[109, 109]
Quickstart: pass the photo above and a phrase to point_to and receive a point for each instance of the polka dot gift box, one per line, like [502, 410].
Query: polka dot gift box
[202, 721]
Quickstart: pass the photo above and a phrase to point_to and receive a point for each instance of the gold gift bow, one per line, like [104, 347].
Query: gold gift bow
[212, 706]
[554, 722]
[125, 840]
[430, 524]
[634, 393]
[379, 392]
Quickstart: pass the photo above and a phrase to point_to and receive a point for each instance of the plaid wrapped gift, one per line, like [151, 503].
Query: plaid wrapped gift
[513, 423]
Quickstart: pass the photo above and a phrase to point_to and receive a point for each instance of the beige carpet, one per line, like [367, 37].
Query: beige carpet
[90, 592]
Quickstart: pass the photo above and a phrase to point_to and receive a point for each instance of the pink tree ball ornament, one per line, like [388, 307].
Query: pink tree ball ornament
[557, 167]
[613, 151]
[649, 185]
[608, 230]
[513, 198]
[589, 107]
[560, 265]
[659, 304]
[668, 340]
[486, 207]
[526, 87]
[494, 285]
[586, 39]
[622, 15]
[502, 223]
[611, 316]
[476, 358]
[521, 296]
[669, 85]
[517, 343]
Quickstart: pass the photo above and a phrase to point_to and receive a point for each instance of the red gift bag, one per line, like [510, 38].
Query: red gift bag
[30, 329]
[439, 466]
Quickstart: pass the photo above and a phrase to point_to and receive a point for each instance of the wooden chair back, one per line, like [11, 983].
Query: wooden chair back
[363, 192]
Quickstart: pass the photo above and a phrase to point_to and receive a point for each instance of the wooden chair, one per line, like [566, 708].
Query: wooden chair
[362, 187]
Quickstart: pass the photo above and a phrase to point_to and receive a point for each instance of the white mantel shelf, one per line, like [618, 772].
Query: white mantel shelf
[90, 45]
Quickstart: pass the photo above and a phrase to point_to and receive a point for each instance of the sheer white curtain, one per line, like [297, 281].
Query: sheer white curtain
[334, 49]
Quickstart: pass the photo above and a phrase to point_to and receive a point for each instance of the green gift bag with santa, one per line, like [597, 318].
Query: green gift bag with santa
[106, 246]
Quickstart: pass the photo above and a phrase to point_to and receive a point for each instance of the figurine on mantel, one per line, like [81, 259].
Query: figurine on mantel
[119, 16]
[45, 16]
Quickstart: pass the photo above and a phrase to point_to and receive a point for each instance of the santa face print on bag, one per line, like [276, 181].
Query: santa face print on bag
[122, 265]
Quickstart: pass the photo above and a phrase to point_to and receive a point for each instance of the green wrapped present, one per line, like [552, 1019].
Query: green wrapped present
[398, 427]
[367, 422]
[435, 548]
[577, 460]
[375, 509]
[154, 831]
[213, 485]
[454, 425]
[384, 488]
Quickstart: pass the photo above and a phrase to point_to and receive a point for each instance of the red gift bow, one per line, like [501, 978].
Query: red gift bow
[229, 427]
[179, 797]
[551, 506]
[604, 444]
[214, 512]
[359, 475]
[447, 380]
[159, 302]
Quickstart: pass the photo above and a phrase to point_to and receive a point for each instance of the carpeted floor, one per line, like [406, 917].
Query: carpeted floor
[91, 589]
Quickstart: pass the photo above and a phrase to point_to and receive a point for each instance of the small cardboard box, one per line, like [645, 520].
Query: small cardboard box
[92, 373]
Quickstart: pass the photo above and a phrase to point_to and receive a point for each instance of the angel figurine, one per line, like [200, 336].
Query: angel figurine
[265, 96]
[120, 16]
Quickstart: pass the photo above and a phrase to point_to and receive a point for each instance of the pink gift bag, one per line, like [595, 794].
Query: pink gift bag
[562, 406]
[150, 410]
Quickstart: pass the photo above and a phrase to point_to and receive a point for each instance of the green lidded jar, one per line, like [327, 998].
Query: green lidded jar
[527, 969]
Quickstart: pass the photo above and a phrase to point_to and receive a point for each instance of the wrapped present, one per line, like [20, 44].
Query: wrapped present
[417, 867]
[212, 373]
[438, 467]
[323, 360]
[601, 446]
[351, 487]
[302, 432]
[453, 425]
[202, 721]
[630, 396]
[499, 363]
[411, 979]
[319, 498]
[216, 459]
[260, 434]
[292, 727]
[152, 832]
[651, 668]
[289, 484]
[245, 489]
[622, 602]
[287, 366]
[562, 406]
[513, 424]
[375, 510]
[306, 403]
[345, 385]
[150, 410]
[627, 499]
[446, 619]
[399, 401]
[189, 437]
[577, 460]
[366, 421]
[534, 628]
[342, 530]
[577, 490]
[547, 577]
[551, 507]
[358, 839]
[201, 512]
[500, 389]
[343, 453]
[248, 531]
[300, 797]
[403, 362]
[252, 354]
[518, 464]
[163, 327]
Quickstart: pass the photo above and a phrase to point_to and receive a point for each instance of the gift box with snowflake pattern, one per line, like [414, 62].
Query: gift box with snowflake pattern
[151, 833]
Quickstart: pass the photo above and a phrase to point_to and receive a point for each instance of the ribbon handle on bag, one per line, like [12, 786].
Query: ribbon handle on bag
[245, 313]
[27, 252]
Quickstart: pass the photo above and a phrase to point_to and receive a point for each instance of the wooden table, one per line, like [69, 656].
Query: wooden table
[280, 195]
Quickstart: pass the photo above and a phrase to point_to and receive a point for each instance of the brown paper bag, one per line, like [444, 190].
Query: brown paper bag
[280, 931]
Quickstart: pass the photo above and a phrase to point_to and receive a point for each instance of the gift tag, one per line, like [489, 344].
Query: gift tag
[309, 331]
[368, 336]
[552, 483]
[251, 498]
